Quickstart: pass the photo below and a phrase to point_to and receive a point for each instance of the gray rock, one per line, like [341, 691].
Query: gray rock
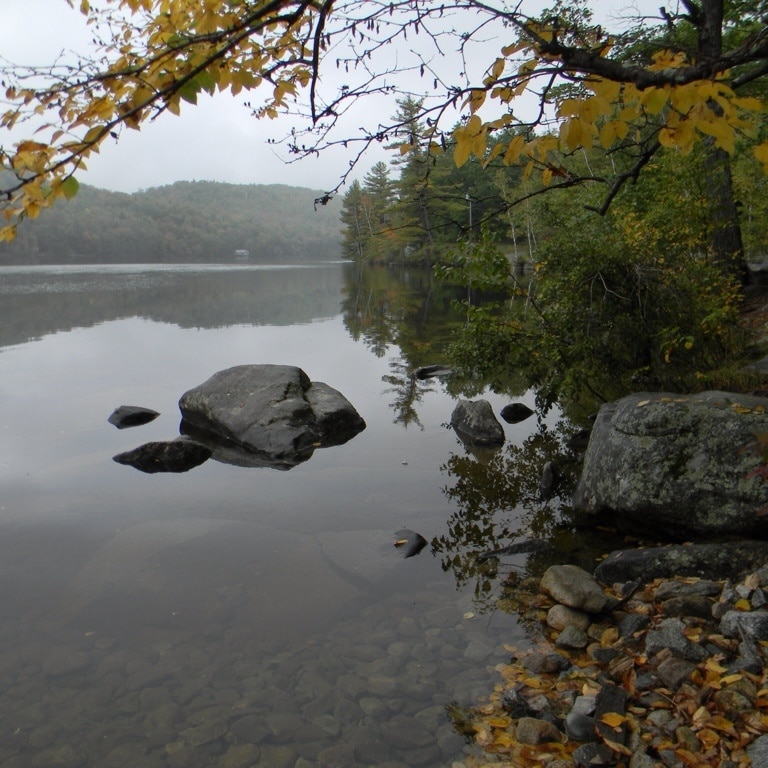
[561, 616]
[673, 672]
[546, 663]
[752, 624]
[758, 751]
[723, 560]
[572, 637]
[673, 588]
[574, 587]
[670, 635]
[678, 463]
[475, 423]
[531, 730]
[593, 754]
[178, 455]
[268, 415]
[125, 416]
[580, 727]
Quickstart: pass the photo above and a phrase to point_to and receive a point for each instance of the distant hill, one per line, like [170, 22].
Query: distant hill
[189, 221]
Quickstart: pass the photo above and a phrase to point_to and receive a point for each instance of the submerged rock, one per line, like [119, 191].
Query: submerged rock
[409, 542]
[267, 415]
[131, 416]
[475, 423]
[679, 463]
[178, 455]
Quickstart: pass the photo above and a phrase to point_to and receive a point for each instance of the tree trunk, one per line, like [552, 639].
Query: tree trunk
[727, 245]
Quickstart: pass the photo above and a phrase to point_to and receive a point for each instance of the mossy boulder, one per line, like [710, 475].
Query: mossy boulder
[679, 465]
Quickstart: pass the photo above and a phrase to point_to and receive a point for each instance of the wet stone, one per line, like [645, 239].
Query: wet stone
[328, 724]
[277, 756]
[572, 638]
[373, 707]
[670, 636]
[673, 672]
[406, 733]
[561, 616]
[693, 605]
[531, 730]
[546, 663]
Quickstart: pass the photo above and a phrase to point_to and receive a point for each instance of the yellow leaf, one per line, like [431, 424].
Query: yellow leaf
[515, 148]
[613, 719]
[654, 99]
[608, 134]
[742, 605]
[608, 89]
[461, 152]
[620, 748]
[761, 153]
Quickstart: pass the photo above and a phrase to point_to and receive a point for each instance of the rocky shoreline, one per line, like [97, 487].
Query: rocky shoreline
[657, 673]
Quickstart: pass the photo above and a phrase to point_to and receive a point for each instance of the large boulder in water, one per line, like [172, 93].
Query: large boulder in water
[476, 425]
[267, 415]
[680, 464]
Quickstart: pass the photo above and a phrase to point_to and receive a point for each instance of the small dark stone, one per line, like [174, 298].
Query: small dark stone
[131, 416]
[604, 655]
[431, 371]
[693, 605]
[516, 412]
[674, 588]
[515, 705]
[673, 672]
[572, 638]
[669, 635]
[409, 542]
[592, 754]
[173, 456]
[632, 623]
[546, 663]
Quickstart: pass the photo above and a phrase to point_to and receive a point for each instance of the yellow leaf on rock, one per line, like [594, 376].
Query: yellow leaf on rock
[613, 719]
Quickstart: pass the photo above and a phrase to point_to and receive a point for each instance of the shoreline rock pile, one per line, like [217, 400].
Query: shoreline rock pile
[666, 674]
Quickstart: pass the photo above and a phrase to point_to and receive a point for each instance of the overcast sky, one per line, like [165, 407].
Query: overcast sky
[215, 140]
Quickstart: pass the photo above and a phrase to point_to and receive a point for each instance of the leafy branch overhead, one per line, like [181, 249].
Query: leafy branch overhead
[558, 83]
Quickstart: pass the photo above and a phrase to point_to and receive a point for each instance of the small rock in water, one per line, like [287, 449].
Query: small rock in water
[131, 416]
[430, 371]
[409, 542]
[516, 412]
[172, 456]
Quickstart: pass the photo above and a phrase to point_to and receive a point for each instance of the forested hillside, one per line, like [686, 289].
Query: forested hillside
[197, 221]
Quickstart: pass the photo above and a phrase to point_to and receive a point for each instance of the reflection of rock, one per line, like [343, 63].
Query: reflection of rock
[178, 455]
[475, 423]
[409, 542]
[267, 415]
[131, 416]
[516, 412]
[431, 371]
[547, 482]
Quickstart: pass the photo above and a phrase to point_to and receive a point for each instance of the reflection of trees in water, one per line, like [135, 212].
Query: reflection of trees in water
[498, 500]
[406, 307]
[408, 391]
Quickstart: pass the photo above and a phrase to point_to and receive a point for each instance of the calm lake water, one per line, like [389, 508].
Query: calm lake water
[227, 616]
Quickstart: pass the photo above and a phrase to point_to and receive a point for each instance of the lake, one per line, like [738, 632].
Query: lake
[235, 616]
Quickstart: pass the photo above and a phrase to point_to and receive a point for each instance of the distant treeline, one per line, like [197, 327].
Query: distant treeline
[189, 221]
